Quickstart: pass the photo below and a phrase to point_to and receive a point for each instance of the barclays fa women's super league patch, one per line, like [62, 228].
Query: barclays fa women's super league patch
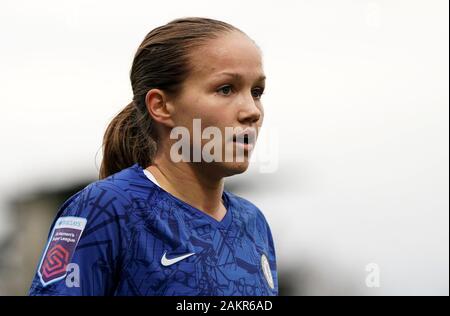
[60, 248]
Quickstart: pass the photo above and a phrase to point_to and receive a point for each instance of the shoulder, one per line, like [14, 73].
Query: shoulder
[101, 201]
[101, 196]
[249, 217]
[247, 209]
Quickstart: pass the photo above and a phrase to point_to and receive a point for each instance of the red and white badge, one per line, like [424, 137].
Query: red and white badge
[60, 248]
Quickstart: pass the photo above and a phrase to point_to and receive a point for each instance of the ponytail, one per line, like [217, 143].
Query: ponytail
[127, 140]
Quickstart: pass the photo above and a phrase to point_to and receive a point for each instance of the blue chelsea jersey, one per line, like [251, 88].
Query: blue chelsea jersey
[125, 235]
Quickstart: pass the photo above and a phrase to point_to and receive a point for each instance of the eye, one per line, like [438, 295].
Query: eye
[257, 93]
[226, 89]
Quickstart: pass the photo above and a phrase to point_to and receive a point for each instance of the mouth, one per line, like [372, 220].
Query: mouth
[247, 139]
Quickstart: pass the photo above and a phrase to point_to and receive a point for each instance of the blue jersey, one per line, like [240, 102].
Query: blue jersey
[125, 235]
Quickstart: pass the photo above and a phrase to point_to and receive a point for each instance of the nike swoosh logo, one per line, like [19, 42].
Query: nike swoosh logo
[168, 262]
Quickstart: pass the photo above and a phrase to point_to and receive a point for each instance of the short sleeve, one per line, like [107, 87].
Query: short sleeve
[86, 244]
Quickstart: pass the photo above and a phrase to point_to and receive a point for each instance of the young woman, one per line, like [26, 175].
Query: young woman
[155, 224]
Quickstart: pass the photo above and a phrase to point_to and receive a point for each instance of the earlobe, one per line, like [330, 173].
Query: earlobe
[158, 107]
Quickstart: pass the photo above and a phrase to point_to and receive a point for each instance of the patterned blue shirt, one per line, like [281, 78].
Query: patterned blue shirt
[125, 235]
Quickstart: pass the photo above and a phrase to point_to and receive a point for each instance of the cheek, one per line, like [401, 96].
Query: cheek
[186, 111]
[210, 110]
[220, 120]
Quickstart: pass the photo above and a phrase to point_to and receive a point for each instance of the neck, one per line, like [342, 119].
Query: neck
[191, 183]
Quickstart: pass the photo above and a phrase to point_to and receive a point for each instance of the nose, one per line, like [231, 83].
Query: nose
[249, 111]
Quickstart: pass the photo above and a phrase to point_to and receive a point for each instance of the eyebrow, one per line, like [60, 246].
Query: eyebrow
[238, 76]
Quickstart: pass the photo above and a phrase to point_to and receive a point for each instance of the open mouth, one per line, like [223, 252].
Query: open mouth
[245, 138]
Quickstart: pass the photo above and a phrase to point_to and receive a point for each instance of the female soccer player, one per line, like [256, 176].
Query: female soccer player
[158, 221]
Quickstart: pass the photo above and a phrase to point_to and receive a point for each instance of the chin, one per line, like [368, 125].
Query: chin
[233, 168]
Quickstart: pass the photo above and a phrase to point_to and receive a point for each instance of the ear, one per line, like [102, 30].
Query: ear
[159, 108]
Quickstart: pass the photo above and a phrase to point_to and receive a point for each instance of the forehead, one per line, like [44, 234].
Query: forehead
[232, 52]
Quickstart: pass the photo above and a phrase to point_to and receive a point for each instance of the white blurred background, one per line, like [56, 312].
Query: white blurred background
[357, 92]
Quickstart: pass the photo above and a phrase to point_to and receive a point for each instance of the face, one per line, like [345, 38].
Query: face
[224, 91]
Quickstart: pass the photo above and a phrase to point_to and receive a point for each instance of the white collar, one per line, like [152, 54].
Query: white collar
[151, 177]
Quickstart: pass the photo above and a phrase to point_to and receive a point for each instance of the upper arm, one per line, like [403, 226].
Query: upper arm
[86, 244]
